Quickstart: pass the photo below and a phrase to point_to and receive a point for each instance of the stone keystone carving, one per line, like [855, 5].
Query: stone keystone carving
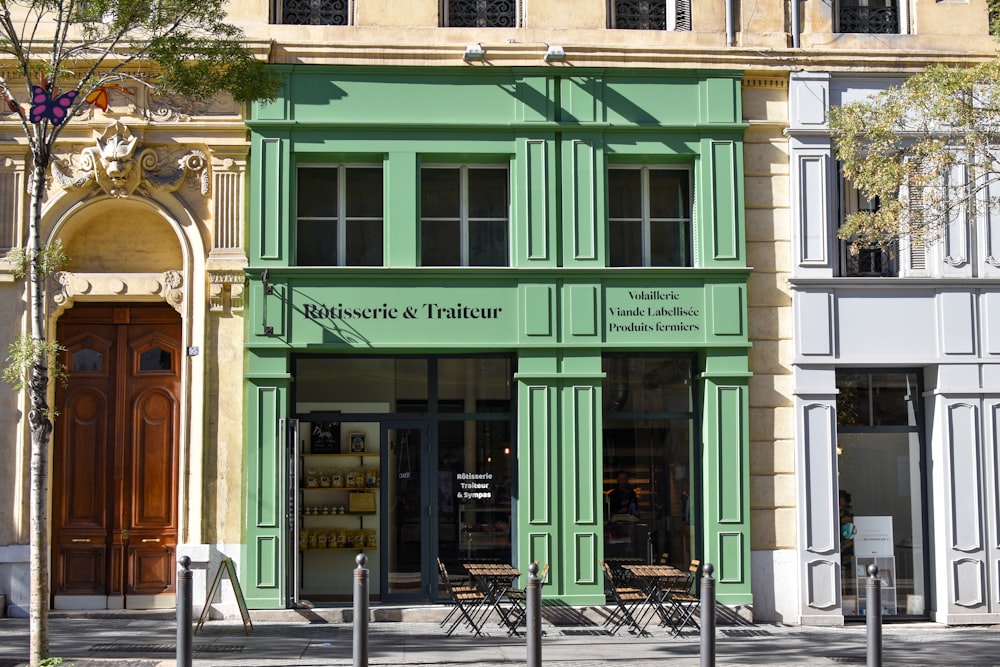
[119, 169]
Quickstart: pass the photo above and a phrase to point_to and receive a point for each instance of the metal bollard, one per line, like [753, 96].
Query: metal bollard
[361, 611]
[707, 625]
[873, 617]
[533, 616]
[184, 613]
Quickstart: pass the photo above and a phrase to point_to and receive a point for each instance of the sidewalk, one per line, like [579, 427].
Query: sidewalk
[126, 639]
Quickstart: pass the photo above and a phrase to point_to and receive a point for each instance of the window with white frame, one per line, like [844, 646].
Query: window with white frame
[313, 12]
[464, 216]
[649, 216]
[339, 215]
[875, 17]
[649, 14]
[481, 13]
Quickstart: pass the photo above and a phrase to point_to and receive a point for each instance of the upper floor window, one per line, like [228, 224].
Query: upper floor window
[880, 17]
[339, 216]
[649, 14]
[313, 12]
[481, 13]
[855, 260]
[649, 216]
[464, 216]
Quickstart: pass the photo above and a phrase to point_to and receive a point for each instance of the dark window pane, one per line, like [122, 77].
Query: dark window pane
[155, 359]
[364, 192]
[316, 243]
[892, 397]
[488, 243]
[439, 193]
[625, 244]
[87, 360]
[624, 193]
[482, 13]
[487, 193]
[364, 243]
[317, 192]
[440, 243]
[667, 193]
[667, 244]
[852, 399]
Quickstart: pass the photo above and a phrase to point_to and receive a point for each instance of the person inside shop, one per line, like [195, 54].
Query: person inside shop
[623, 500]
[846, 533]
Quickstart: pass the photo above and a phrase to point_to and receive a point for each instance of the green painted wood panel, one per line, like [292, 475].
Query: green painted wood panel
[534, 182]
[583, 310]
[402, 202]
[539, 310]
[584, 200]
[728, 310]
[726, 232]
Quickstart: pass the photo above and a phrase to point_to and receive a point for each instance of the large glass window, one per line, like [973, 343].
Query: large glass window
[881, 490]
[648, 440]
[649, 216]
[339, 216]
[464, 216]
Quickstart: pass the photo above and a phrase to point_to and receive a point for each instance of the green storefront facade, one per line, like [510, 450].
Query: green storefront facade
[488, 292]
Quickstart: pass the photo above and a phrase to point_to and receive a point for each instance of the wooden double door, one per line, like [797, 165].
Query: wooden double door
[115, 457]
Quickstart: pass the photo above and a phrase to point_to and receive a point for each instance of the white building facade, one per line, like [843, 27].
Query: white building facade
[896, 392]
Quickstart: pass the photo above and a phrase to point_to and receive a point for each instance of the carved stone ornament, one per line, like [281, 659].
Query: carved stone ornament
[168, 285]
[219, 281]
[118, 167]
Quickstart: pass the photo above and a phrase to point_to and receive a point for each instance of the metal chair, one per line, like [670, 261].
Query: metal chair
[466, 601]
[684, 602]
[627, 600]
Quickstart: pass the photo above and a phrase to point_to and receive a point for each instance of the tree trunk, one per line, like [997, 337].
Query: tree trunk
[40, 425]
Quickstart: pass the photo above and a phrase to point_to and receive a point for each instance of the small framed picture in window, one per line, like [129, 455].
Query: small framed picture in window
[357, 443]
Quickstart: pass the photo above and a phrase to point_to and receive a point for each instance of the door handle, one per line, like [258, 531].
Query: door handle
[150, 539]
[78, 540]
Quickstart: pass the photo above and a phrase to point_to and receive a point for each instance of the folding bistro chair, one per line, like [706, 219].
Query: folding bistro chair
[627, 600]
[684, 602]
[516, 614]
[466, 601]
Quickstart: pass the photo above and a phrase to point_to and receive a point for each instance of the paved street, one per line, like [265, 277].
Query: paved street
[145, 640]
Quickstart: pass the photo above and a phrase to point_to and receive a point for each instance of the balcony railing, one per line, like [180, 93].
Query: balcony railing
[482, 13]
[870, 20]
[639, 15]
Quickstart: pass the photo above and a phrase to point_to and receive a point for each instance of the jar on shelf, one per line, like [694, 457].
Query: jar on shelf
[370, 539]
[312, 479]
[351, 479]
[304, 539]
[321, 540]
[311, 543]
[341, 538]
[325, 479]
[337, 479]
[370, 479]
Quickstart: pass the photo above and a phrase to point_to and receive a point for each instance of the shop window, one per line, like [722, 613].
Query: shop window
[881, 491]
[880, 17]
[649, 14]
[649, 216]
[464, 216]
[480, 13]
[339, 216]
[312, 12]
[648, 444]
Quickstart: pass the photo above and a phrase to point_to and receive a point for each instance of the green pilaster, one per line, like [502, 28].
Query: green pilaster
[265, 546]
[725, 474]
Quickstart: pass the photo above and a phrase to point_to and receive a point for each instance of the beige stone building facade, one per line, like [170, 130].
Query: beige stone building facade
[176, 235]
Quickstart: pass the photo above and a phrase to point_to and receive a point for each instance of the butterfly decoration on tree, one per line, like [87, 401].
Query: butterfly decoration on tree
[100, 96]
[52, 106]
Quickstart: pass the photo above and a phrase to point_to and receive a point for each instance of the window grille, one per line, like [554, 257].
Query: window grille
[313, 12]
[881, 17]
[650, 14]
[481, 13]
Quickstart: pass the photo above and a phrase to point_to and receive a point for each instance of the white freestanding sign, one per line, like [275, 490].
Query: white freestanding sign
[873, 536]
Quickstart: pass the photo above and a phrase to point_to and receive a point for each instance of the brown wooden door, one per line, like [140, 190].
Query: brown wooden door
[115, 454]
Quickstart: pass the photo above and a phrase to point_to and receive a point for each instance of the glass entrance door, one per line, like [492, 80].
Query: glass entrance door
[406, 499]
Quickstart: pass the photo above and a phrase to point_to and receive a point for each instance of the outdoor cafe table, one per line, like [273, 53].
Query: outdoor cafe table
[656, 581]
[494, 580]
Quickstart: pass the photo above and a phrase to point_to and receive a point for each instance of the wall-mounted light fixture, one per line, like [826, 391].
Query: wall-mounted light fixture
[555, 54]
[474, 53]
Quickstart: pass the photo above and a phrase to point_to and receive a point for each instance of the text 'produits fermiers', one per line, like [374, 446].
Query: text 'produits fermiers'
[425, 311]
